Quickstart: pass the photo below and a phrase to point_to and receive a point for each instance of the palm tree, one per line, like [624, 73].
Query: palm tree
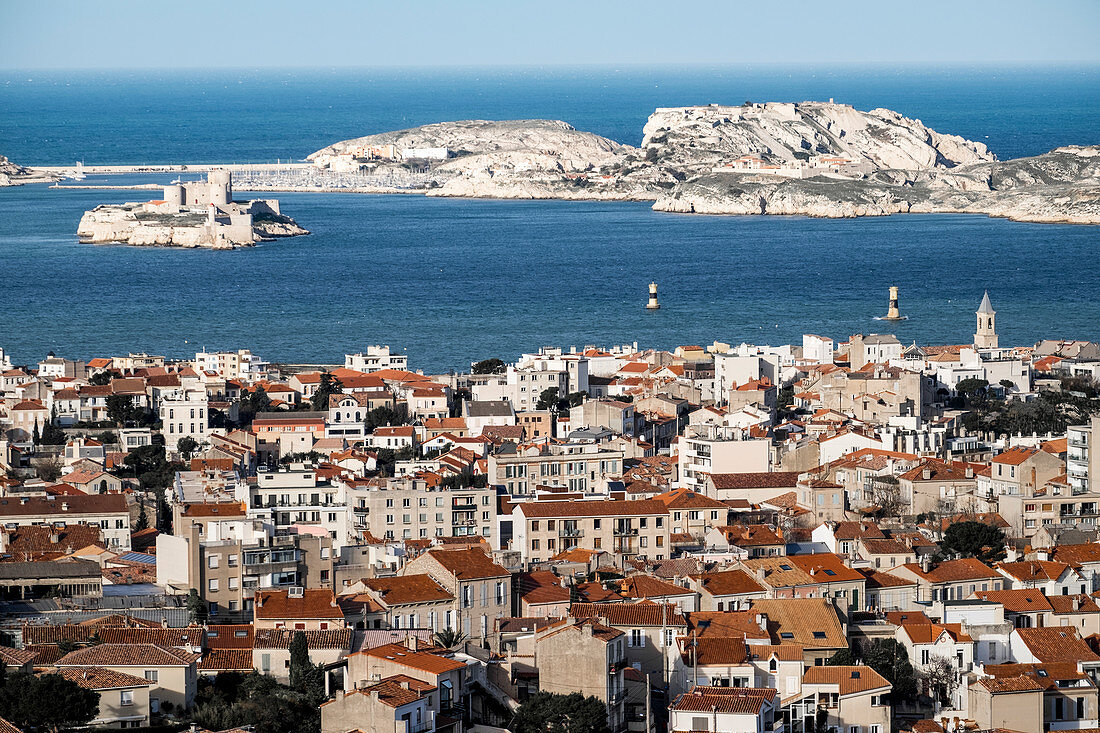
[449, 638]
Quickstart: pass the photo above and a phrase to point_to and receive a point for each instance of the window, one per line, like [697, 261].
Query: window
[637, 638]
[596, 525]
[213, 584]
[126, 697]
[212, 561]
[151, 675]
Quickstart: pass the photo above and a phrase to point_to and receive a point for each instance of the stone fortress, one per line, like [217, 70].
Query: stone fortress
[191, 214]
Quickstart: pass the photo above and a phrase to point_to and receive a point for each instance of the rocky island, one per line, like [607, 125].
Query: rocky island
[191, 214]
[16, 175]
[811, 158]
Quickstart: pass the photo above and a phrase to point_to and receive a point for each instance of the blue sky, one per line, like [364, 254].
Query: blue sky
[287, 33]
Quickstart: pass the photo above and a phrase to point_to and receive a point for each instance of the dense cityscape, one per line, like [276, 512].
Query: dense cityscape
[850, 535]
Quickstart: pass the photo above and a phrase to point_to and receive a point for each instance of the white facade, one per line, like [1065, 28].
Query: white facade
[184, 416]
[376, 358]
[708, 449]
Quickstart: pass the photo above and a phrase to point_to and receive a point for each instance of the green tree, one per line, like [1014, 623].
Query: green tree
[547, 712]
[329, 385]
[251, 403]
[548, 399]
[974, 539]
[121, 410]
[47, 702]
[52, 434]
[448, 638]
[101, 379]
[383, 416]
[842, 658]
[299, 659]
[196, 607]
[890, 659]
[164, 513]
[49, 470]
[971, 387]
[142, 521]
[489, 366]
[187, 446]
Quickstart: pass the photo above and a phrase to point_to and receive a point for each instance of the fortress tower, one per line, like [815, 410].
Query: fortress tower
[986, 335]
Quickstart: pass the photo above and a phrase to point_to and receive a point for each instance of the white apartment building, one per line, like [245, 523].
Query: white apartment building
[1083, 455]
[376, 358]
[241, 364]
[707, 449]
[184, 415]
[817, 348]
[301, 499]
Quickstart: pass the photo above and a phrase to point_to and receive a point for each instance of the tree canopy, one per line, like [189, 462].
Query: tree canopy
[196, 607]
[329, 385]
[233, 700]
[46, 702]
[547, 712]
[489, 366]
[974, 539]
[887, 657]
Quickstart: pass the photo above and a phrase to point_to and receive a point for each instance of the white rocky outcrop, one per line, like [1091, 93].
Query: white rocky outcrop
[129, 224]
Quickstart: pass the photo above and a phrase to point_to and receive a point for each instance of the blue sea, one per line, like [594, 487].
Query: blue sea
[452, 281]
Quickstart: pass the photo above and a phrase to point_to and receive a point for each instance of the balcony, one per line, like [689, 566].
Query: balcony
[626, 531]
[464, 506]
[570, 532]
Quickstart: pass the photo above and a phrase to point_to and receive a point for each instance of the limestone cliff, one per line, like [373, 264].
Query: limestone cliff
[811, 158]
[16, 175]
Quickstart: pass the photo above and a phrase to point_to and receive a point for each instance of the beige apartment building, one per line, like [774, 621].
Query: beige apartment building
[481, 588]
[853, 697]
[542, 529]
[123, 698]
[173, 672]
[109, 512]
[585, 656]
[407, 508]
[577, 466]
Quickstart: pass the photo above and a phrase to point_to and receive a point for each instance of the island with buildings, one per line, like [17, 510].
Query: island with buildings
[191, 214]
[811, 158]
[851, 534]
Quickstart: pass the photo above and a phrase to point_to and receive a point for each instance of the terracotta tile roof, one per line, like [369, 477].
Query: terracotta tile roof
[468, 563]
[900, 618]
[1073, 604]
[879, 579]
[951, 571]
[99, 678]
[1009, 685]
[224, 509]
[751, 535]
[63, 506]
[592, 508]
[127, 655]
[782, 652]
[1047, 675]
[711, 650]
[1015, 456]
[596, 593]
[928, 633]
[801, 570]
[229, 636]
[857, 530]
[16, 657]
[1034, 570]
[1056, 644]
[644, 613]
[755, 480]
[114, 634]
[850, 680]
[985, 518]
[726, 623]
[743, 700]
[521, 624]
[940, 470]
[401, 589]
[728, 583]
[39, 542]
[576, 554]
[886, 547]
[1056, 447]
[392, 693]
[646, 586]
[227, 660]
[314, 603]
[1077, 554]
[430, 660]
[315, 639]
[811, 622]
[686, 499]
[599, 631]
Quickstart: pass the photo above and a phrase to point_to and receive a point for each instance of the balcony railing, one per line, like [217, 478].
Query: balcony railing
[570, 532]
[626, 531]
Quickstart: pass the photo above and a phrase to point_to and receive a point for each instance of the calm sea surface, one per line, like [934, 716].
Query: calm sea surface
[456, 280]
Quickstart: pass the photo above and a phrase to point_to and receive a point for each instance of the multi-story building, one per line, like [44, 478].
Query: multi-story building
[585, 656]
[283, 433]
[302, 498]
[408, 508]
[376, 358]
[482, 589]
[1083, 455]
[584, 467]
[184, 415]
[542, 529]
[710, 449]
[241, 364]
[109, 512]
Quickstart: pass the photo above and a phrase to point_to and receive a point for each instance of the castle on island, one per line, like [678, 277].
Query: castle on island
[190, 214]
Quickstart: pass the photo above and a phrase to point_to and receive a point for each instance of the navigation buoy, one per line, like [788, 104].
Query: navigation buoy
[893, 314]
[652, 304]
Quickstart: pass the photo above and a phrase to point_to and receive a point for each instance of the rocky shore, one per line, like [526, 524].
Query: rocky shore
[16, 175]
[812, 158]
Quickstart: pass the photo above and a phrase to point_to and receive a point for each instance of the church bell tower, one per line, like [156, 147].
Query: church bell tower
[985, 337]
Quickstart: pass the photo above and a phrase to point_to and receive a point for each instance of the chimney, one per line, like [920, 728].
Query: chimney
[64, 506]
[970, 471]
[1076, 603]
[762, 621]
[926, 473]
[412, 642]
[164, 622]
